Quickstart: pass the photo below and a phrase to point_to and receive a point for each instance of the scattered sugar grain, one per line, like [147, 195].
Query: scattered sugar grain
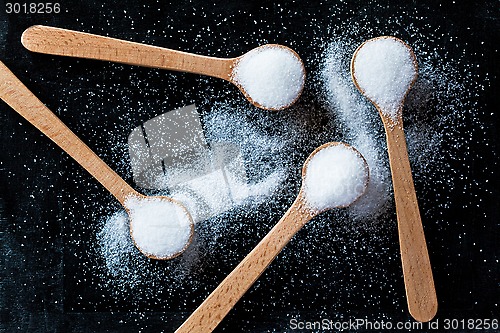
[335, 177]
[115, 242]
[360, 126]
[272, 76]
[384, 69]
[159, 227]
[224, 189]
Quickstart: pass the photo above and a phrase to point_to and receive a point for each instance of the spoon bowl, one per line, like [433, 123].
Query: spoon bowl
[218, 304]
[385, 84]
[25, 103]
[317, 177]
[160, 227]
[57, 41]
[384, 70]
[275, 77]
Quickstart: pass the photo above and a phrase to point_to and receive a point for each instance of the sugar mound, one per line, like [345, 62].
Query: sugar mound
[335, 177]
[384, 69]
[160, 228]
[272, 76]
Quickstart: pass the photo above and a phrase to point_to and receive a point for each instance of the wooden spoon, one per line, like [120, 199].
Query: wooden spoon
[217, 305]
[57, 41]
[419, 283]
[22, 100]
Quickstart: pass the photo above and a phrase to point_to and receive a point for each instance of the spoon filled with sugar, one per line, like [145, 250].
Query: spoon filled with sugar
[384, 69]
[271, 76]
[160, 227]
[335, 175]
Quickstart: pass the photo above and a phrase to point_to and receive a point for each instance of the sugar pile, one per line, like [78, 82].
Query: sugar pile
[272, 76]
[335, 177]
[384, 70]
[160, 228]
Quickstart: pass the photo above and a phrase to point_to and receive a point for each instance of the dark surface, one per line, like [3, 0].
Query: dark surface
[51, 278]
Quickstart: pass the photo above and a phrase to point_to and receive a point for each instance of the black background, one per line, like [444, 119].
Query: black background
[48, 204]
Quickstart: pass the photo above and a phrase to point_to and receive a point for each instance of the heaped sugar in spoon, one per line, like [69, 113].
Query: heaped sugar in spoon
[384, 69]
[271, 76]
[335, 175]
[160, 227]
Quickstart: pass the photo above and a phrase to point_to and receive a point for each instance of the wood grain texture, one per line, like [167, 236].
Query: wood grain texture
[419, 282]
[63, 42]
[24, 102]
[217, 305]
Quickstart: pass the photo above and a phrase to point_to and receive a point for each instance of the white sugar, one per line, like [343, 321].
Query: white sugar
[159, 227]
[115, 241]
[272, 76]
[212, 195]
[335, 177]
[361, 128]
[384, 69]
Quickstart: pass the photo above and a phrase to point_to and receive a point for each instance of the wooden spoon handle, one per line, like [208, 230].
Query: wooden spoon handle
[50, 40]
[217, 305]
[22, 100]
[419, 283]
